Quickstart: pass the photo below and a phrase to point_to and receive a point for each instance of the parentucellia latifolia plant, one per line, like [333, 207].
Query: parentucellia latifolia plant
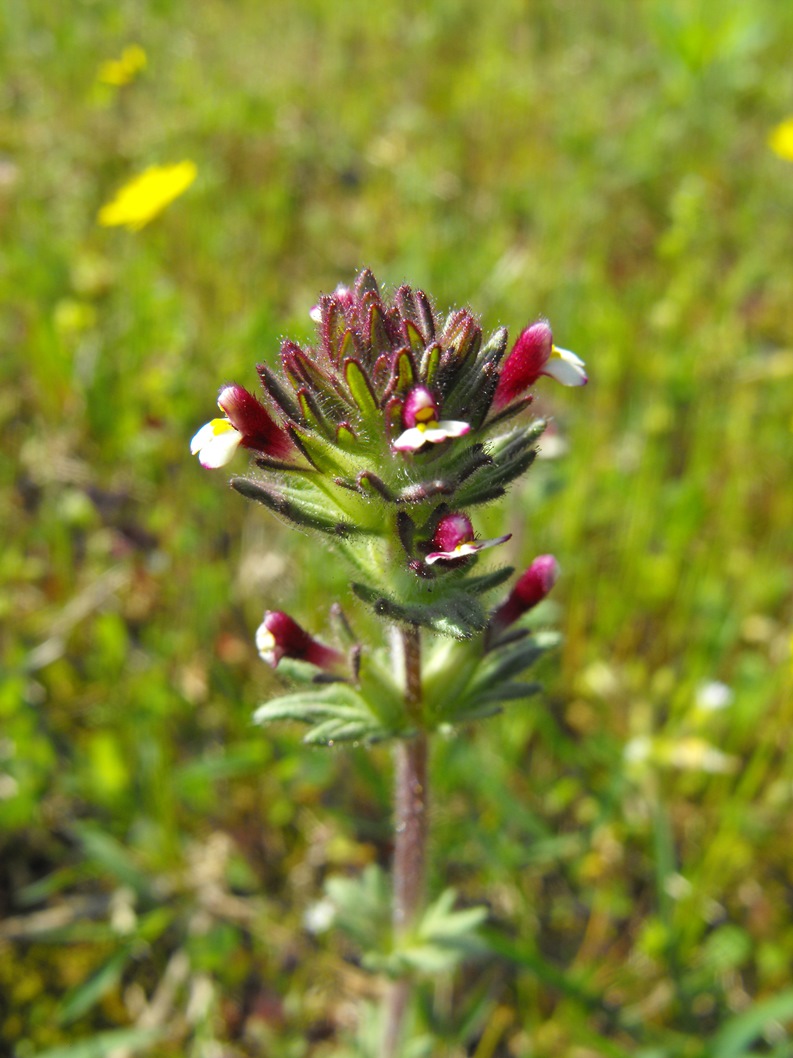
[384, 439]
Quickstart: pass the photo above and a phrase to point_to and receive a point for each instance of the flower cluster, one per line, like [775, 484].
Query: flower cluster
[386, 434]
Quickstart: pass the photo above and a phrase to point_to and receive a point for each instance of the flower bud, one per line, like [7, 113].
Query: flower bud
[532, 355]
[461, 334]
[247, 422]
[279, 636]
[531, 588]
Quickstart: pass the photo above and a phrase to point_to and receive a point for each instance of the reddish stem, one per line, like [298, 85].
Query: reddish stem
[410, 838]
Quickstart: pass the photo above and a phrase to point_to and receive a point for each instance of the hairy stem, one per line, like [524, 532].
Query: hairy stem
[410, 837]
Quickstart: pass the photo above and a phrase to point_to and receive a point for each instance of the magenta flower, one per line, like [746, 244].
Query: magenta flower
[279, 636]
[531, 588]
[454, 539]
[420, 416]
[247, 422]
[532, 355]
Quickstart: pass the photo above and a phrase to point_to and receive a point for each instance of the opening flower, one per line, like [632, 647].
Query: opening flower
[454, 539]
[247, 422]
[279, 636]
[215, 443]
[531, 588]
[420, 416]
[145, 196]
[532, 355]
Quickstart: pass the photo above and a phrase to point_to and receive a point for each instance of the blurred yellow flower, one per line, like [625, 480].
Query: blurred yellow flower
[146, 195]
[126, 68]
[781, 140]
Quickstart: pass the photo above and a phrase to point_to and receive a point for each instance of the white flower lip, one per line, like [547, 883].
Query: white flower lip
[470, 547]
[215, 443]
[566, 367]
[265, 644]
[417, 436]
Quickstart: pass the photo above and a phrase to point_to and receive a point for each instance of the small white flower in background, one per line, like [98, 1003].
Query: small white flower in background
[319, 917]
[638, 749]
[678, 886]
[689, 753]
[713, 695]
[695, 754]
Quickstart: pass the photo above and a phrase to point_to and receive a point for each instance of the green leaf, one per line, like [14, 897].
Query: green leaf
[80, 999]
[517, 440]
[491, 480]
[364, 729]
[227, 762]
[322, 455]
[464, 713]
[312, 416]
[504, 662]
[362, 906]
[111, 856]
[104, 1043]
[738, 1034]
[508, 692]
[296, 506]
[449, 669]
[278, 392]
[488, 581]
[338, 711]
[345, 438]
[305, 707]
[45, 888]
[381, 692]
[457, 615]
[443, 939]
[440, 920]
[523, 954]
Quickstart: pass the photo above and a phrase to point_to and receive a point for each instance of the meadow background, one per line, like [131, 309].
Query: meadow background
[604, 164]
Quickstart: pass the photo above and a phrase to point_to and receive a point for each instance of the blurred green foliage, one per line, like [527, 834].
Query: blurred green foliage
[603, 164]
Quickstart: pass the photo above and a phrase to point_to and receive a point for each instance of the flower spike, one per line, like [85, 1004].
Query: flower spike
[534, 354]
[454, 539]
[279, 636]
[420, 416]
[378, 433]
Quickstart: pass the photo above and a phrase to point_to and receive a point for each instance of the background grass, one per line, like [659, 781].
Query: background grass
[603, 164]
